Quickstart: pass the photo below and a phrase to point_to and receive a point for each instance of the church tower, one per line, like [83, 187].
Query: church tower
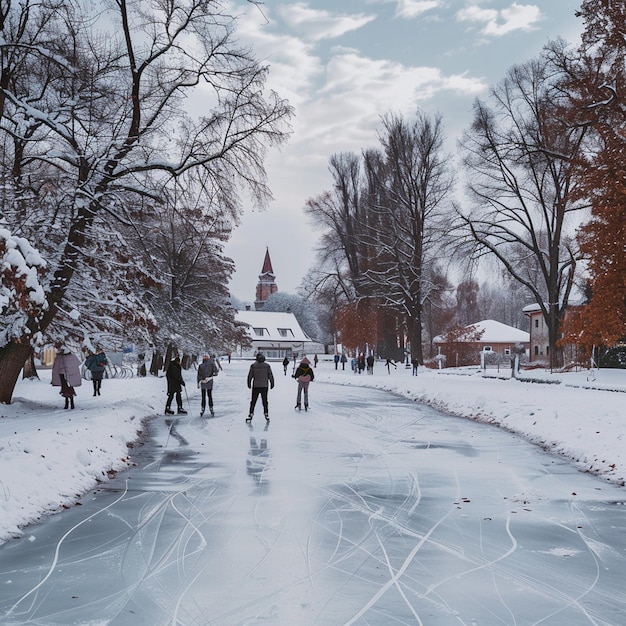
[267, 283]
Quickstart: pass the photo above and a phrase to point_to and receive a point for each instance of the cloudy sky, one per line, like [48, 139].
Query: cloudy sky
[344, 63]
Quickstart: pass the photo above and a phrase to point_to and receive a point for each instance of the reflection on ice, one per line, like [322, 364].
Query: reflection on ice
[258, 459]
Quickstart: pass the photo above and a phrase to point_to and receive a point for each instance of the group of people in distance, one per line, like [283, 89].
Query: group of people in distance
[260, 380]
[66, 372]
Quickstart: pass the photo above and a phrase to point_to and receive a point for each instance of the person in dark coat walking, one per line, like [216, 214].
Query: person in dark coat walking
[66, 374]
[207, 371]
[96, 364]
[260, 377]
[175, 384]
[304, 375]
[285, 364]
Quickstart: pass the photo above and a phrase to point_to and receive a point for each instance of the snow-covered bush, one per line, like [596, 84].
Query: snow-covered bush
[21, 293]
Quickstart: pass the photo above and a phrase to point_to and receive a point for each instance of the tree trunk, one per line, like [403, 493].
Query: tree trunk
[556, 352]
[415, 336]
[30, 369]
[12, 359]
[155, 363]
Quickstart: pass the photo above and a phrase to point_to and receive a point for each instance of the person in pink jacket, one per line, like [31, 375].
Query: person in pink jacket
[66, 374]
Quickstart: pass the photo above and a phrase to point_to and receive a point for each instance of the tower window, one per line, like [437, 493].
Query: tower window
[285, 332]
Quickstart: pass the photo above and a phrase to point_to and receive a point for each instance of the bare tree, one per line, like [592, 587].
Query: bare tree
[518, 155]
[410, 185]
[381, 222]
[341, 214]
[103, 105]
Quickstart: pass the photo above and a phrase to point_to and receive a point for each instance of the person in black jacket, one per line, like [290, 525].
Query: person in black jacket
[260, 377]
[175, 383]
[96, 364]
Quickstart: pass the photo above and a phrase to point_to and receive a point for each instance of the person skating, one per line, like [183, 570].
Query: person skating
[285, 364]
[260, 377]
[66, 374]
[96, 364]
[207, 370]
[175, 383]
[304, 375]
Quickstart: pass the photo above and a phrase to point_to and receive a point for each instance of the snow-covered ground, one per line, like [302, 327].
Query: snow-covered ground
[49, 456]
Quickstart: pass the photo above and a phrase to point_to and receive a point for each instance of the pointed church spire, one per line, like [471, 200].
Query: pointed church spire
[267, 282]
[267, 263]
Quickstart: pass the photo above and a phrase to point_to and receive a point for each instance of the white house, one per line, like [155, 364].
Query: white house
[276, 335]
[497, 338]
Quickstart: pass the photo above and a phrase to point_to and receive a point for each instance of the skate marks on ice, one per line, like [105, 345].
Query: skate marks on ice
[374, 511]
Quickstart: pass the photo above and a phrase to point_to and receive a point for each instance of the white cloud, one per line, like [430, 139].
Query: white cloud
[294, 65]
[497, 23]
[415, 8]
[316, 24]
[346, 110]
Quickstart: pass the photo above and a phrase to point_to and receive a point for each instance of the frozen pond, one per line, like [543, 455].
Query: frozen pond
[368, 509]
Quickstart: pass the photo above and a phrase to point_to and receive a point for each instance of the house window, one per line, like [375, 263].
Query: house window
[259, 332]
[537, 323]
[285, 332]
[507, 351]
[536, 350]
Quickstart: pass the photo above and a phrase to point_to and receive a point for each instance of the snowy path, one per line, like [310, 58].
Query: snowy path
[369, 509]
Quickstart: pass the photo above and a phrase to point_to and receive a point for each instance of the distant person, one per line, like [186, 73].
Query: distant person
[96, 364]
[175, 384]
[344, 360]
[388, 364]
[285, 364]
[360, 363]
[66, 374]
[260, 377]
[207, 371]
[370, 363]
[315, 361]
[336, 360]
[415, 363]
[304, 375]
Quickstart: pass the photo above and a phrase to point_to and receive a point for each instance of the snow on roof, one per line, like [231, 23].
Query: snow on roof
[272, 321]
[495, 332]
[531, 308]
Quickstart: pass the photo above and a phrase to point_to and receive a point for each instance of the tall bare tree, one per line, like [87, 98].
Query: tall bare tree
[519, 157]
[407, 195]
